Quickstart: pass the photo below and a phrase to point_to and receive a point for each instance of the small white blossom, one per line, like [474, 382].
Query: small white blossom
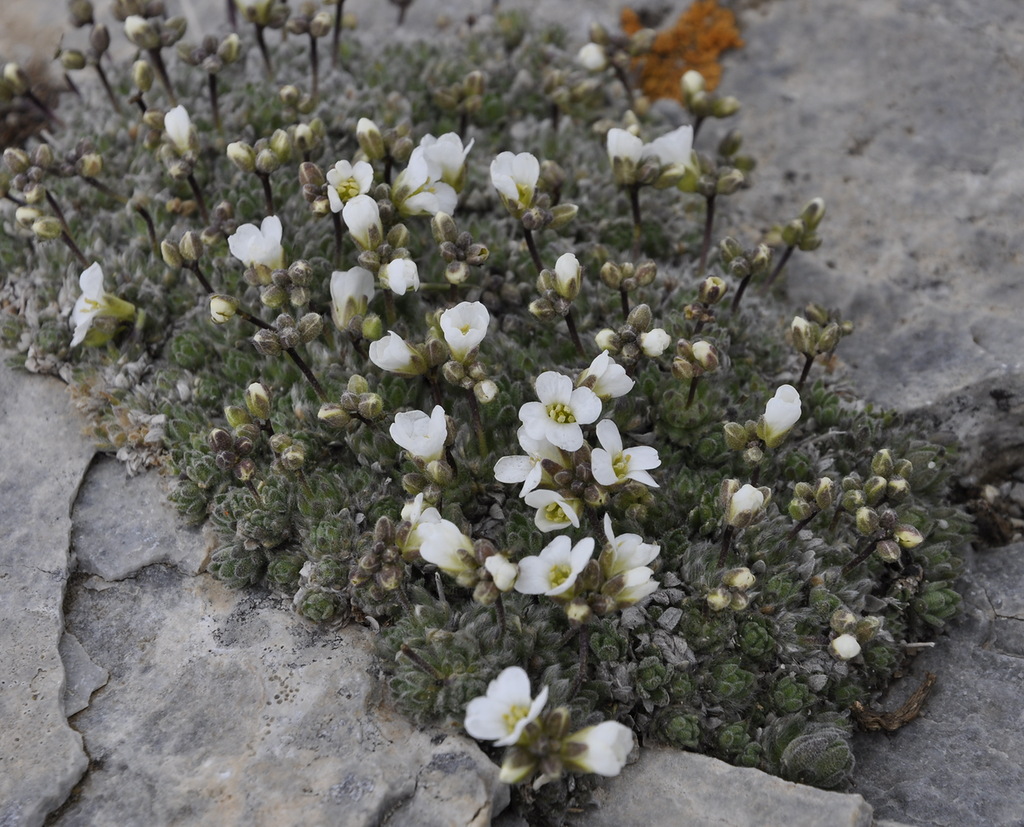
[400, 276]
[608, 746]
[780, 415]
[654, 342]
[417, 516]
[631, 586]
[421, 435]
[611, 465]
[464, 327]
[259, 246]
[609, 379]
[555, 569]
[592, 57]
[504, 712]
[561, 411]
[744, 505]
[448, 155]
[672, 148]
[362, 217]
[527, 469]
[222, 308]
[178, 126]
[346, 180]
[419, 190]
[502, 571]
[393, 354]
[443, 544]
[554, 512]
[568, 276]
[95, 304]
[515, 178]
[625, 551]
[845, 647]
[351, 291]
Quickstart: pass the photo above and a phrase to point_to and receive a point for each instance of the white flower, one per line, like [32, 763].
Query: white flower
[672, 148]
[464, 327]
[178, 126]
[351, 291]
[554, 512]
[529, 469]
[624, 551]
[845, 647]
[444, 545]
[417, 516]
[346, 180]
[255, 246]
[448, 155]
[400, 276]
[515, 178]
[561, 411]
[554, 570]
[631, 586]
[362, 217]
[393, 354]
[421, 435]
[222, 308]
[744, 505]
[94, 304]
[608, 746]
[504, 712]
[606, 377]
[592, 57]
[502, 571]
[654, 342]
[780, 415]
[610, 464]
[623, 145]
[419, 190]
[672, 153]
[568, 276]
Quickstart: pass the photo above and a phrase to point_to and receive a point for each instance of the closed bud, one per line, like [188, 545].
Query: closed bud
[81, 13]
[141, 32]
[692, 83]
[875, 489]
[843, 621]
[640, 318]
[289, 95]
[711, 290]
[793, 232]
[171, 256]
[443, 228]
[725, 108]
[242, 155]
[372, 328]
[805, 336]
[142, 75]
[908, 536]
[371, 406]
[729, 248]
[813, 213]
[762, 258]
[99, 39]
[47, 228]
[867, 628]
[607, 339]
[736, 436]
[485, 391]
[706, 356]
[829, 338]
[611, 275]
[267, 161]
[646, 273]
[220, 440]
[866, 520]
[293, 457]
[888, 550]
[719, 599]
[190, 246]
[440, 472]
[800, 510]
[729, 182]
[257, 400]
[321, 24]
[310, 327]
[332, 414]
[882, 463]
[17, 160]
[371, 142]
[740, 578]
[71, 60]
[89, 165]
[825, 493]
[27, 216]
[897, 489]
[281, 145]
[230, 48]
[236, 416]
[561, 215]
[267, 342]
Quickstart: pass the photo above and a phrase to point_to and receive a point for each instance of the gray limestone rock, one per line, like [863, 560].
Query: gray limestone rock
[41, 757]
[225, 707]
[83, 677]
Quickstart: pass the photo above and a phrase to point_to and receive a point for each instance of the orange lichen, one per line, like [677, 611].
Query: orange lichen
[695, 41]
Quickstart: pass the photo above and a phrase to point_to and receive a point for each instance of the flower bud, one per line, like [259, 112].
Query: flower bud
[99, 39]
[141, 32]
[257, 400]
[142, 75]
[333, 414]
[171, 256]
[267, 161]
[47, 228]
[485, 391]
[310, 326]
[866, 520]
[888, 550]
[561, 215]
[230, 48]
[739, 578]
[908, 536]
[843, 621]
[711, 290]
[725, 108]
[719, 599]
[845, 647]
[242, 155]
[190, 246]
[267, 342]
[371, 142]
[729, 182]
[812, 214]
[805, 336]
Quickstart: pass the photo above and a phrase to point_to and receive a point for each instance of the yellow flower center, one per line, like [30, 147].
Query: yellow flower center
[349, 188]
[561, 413]
[559, 574]
[620, 465]
[514, 715]
[555, 514]
[525, 194]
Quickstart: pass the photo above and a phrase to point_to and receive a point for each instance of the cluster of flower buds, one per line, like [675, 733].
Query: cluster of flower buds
[458, 249]
[851, 633]
[272, 14]
[558, 288]
[636, 338]
[357, 405]
[542, 742]
[464, 97]
[627, 277]
[288, 333]
[744, 265]
[291, 285]
[463, 328]
[709, 293]
[819, 332]
[802, 232]
[781, 413]
[212, 54]
[231, 453]
[701, 103]
[809, 500]
[380, 568]
[734, 592]
[265, 156]
[694, 359]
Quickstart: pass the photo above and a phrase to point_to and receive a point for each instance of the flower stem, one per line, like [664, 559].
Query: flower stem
[301, 365]
[584, 640]
[194, 267]
[389, 307]
[862, 554]
[634, 203]
[740, 290]
[161, 73]
[214, 101]
[481, 435]
[623, 78]
[709, 220]
[778, 268]
[531, 245]
[99, 185]
[107, 88]
[268, 193]
[499, 610]
[421, 664]
[570, 322]
[808, 361]
[314, 65]
[694, 381]
[726, 543]
[70, 242]
[339, 237]
[198, 193]
[261, 41]
[336, 36]
[624, 297]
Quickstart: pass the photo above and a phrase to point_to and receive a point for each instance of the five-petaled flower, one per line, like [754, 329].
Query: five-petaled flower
[443, 544]
[606, 377]
[504, 712]
[448, 156]
[259, 246]
[561, 411]
[393, 354]
[529, 469]
[515, 178]
[554, 571]
[400, 275]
